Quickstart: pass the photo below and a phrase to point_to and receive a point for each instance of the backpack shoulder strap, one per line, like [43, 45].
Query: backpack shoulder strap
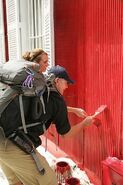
[22, 113]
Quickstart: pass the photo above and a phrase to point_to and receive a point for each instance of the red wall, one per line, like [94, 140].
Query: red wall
[69, 49]
[89, 43]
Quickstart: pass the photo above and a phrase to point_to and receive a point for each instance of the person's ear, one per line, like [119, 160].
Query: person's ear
[56, 79]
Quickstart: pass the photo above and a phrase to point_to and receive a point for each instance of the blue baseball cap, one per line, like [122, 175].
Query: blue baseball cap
[60, 72]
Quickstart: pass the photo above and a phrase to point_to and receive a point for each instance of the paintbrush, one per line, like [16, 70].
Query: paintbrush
[97, 122]
[99, 110]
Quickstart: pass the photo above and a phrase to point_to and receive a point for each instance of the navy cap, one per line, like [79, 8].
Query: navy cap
[60, 72]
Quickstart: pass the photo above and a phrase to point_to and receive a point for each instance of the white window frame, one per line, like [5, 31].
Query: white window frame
[30, 25]
[41, 26]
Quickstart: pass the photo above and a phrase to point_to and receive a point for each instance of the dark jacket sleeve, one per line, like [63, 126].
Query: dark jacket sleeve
[61, 116]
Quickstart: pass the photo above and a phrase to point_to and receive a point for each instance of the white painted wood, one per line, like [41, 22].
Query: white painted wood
[2, 40]
[12, 29]
[41, 26]
[30, 25]
[48, 31]
[17, 27]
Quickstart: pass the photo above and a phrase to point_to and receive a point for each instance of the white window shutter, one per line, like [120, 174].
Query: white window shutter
[12, 29]
[16, 11]
[2, 41]
[48, 30]
[18, 27]
[23, 26]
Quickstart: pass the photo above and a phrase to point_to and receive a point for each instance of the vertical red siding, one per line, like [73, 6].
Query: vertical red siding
[89, 43]
[121, 139]
[103, 79]
[69, 44]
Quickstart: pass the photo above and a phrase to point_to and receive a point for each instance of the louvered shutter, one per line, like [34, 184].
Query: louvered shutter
[48, 29]
[2, 45]
[12, 29]
[22, 26]
[17, 27]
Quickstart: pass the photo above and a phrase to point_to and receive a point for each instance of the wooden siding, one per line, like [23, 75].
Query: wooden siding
[89, 43]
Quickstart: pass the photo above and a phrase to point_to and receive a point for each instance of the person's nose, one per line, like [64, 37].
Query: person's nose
[66, 85]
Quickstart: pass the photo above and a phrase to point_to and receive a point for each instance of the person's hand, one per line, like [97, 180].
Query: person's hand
[87, 121]
[80, 112]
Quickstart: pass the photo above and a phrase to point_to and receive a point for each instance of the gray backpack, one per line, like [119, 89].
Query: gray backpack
[19, 77]
[15, 72]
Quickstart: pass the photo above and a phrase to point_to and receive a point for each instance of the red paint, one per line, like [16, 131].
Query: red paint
[72, 181]
[63, 171]
[62, 167]
[88, 41]
[112, 171]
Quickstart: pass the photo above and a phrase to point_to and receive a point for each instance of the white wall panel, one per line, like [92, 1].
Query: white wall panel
[2, 45]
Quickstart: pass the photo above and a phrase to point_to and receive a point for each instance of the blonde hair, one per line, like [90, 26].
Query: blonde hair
[35, 55]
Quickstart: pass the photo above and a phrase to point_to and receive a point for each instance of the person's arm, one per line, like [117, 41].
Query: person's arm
[76, 129]
[61, 120]
[78, 111]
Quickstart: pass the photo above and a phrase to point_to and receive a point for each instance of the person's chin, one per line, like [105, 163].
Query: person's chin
[62, 93]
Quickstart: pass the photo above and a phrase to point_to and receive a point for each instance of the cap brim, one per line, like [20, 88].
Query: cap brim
[70, 81]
